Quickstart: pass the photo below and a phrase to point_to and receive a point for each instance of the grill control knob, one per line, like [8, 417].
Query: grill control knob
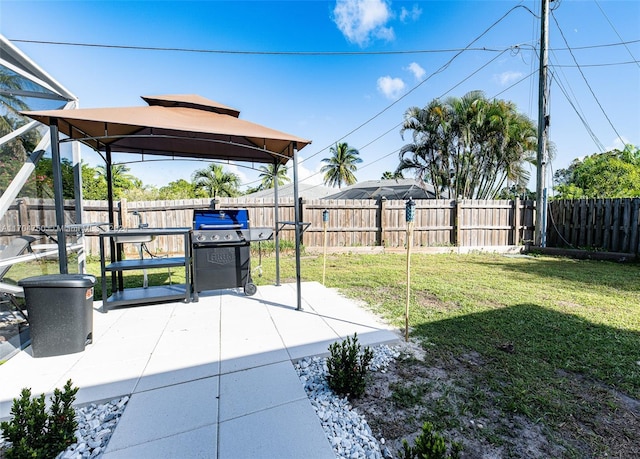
[215, 237]
[227, 237]
[200, 237]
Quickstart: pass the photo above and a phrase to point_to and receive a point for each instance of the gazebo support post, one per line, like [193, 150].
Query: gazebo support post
[112, 221]
[77, 181]
[58, 196]
[298, 224]
[276, 217]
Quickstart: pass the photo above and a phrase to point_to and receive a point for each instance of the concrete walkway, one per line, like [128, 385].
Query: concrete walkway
[212, 379]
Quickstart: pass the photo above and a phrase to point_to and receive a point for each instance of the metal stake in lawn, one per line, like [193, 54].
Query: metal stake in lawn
[410, 215]
[325, 221]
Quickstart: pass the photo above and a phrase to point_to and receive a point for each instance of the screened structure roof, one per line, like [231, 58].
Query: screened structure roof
[389, 189]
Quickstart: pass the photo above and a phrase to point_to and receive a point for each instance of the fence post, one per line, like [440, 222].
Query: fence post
[457, 224]
[516, 221]
[122, 212]
[23, 217]
[382, 208]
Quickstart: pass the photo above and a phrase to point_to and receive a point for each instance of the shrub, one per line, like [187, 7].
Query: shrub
[348, 367]
[34, 433]
[429, 445]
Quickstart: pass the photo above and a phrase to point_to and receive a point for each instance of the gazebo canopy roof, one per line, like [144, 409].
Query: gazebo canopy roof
[185, 126]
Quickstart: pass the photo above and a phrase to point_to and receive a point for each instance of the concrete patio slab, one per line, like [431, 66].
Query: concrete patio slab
[257, 389]
[199, 443]
[290, 431]
[210, 379]
[165, 412]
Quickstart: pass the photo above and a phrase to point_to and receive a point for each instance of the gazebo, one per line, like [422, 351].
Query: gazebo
[173, 126]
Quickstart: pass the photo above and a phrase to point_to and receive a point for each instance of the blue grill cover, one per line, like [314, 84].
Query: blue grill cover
[220, 219]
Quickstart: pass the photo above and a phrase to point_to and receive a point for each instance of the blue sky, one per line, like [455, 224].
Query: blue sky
[346, 70]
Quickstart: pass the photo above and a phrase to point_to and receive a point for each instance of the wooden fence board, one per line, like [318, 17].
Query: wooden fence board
[611, 225]
[351, 223]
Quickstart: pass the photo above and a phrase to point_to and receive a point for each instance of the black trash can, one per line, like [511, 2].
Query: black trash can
[60, 311]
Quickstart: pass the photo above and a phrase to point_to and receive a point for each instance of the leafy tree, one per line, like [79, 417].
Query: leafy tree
[215, 181]
[388, 175]
[178, 189]
[44, 179]
[120, 178]
[516, 191]
[94, 184]
[468, 147]
[613, 174]
[339, 168]
[14, 152]
[269, 173]
[143, 193]
[11, 104]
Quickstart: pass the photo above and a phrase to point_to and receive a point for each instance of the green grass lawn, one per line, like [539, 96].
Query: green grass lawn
[581, 316]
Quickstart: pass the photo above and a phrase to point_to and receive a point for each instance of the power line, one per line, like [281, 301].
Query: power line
[575, 103]
[400, 124]
[441, 69]
[578, 109]
[298, 53]
[609, 64]
[516, 83]
[616, 32]
[585, 79]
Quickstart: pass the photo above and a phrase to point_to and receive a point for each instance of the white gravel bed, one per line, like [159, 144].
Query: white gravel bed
[346, 430]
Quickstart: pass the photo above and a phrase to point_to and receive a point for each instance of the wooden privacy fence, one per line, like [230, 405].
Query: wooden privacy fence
[610, 225]
[352, 223]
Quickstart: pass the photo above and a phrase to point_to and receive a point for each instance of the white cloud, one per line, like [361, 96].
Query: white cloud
[418, 72]
[508, 77]
[361, 20]
[309, 176]
[618, 144]
[391, 87]
[412, 14]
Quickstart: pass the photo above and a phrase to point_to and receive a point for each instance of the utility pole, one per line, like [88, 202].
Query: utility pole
[543, 132]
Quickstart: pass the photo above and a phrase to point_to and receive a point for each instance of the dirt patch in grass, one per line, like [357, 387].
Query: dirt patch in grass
[429, 301]
[425, 384]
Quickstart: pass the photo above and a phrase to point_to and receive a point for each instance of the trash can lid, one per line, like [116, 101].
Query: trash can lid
[59, 280]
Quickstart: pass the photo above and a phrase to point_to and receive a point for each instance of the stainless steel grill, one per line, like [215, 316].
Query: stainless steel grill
[221, 243]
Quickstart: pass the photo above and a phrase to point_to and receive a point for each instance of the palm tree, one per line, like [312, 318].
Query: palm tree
[121, 180]
[270, 172]
[216, 181]
[429, 153]
[388, 175]
[10, 103]
[340, 167]
[468, 146]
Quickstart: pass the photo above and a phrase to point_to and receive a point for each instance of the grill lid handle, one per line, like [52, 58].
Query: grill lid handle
[204, 226]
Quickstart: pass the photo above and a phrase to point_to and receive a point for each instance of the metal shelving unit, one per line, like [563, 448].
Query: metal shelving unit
[148, 294]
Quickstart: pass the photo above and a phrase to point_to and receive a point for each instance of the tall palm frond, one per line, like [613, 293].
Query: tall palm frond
[269, 173]
[340, 167]
[216, 181]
